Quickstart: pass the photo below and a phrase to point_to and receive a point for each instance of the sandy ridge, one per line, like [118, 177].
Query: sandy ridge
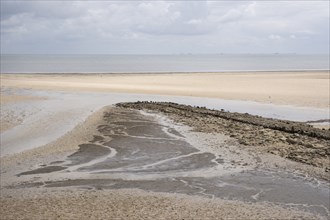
[309, 88]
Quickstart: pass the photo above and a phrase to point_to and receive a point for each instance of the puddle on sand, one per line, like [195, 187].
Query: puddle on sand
[134, 150]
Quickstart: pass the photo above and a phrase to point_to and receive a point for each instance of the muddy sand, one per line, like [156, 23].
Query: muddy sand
[296, 141]
[163, 160]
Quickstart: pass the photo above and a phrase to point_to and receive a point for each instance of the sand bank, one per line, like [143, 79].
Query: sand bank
[309, 89]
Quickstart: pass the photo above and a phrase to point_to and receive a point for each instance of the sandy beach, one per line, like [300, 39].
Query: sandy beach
[156, 162]
[309, 89]
[164, 110]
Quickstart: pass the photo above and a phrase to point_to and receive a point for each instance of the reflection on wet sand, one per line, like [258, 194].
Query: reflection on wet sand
[135, 150]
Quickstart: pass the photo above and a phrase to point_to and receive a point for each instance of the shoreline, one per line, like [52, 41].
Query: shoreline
[172, 72]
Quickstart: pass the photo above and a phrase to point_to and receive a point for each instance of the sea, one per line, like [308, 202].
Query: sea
[11, 63]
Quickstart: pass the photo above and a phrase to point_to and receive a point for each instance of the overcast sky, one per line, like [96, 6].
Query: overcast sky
[164, 27]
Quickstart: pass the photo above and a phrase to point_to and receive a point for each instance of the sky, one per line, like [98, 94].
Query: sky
[164, 27]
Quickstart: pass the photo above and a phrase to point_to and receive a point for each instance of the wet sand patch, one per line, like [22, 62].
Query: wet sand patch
[125, 153]
[279, 189]
[47, 169]
[87, 153]
[296, 141]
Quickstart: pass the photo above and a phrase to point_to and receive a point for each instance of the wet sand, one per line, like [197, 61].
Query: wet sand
[62, 111]
[10, 117]
[134, 204]
[307, 88]
[293, 140]
[203, 175]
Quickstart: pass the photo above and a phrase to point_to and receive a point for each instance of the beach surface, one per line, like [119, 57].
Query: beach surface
[70, 153]
[309, 89]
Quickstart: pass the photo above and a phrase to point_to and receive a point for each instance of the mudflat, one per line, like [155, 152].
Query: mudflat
[293, 140]
[131, 162]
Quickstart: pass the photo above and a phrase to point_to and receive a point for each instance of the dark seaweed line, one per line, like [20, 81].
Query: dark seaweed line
[275, 124]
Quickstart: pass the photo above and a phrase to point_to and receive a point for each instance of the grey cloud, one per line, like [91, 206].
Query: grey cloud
[183, 18]
[12, 8]
[164, 26]
[40, 9]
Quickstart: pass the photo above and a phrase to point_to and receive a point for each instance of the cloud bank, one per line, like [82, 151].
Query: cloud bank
[139, 27]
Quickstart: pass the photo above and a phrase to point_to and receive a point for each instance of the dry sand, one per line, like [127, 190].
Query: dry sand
[309, 89]
[7, 99]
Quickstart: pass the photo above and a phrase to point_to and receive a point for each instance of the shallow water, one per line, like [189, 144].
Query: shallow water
[50, 119]
[161, 63]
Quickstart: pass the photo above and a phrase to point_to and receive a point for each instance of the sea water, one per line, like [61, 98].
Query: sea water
[161, 63]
